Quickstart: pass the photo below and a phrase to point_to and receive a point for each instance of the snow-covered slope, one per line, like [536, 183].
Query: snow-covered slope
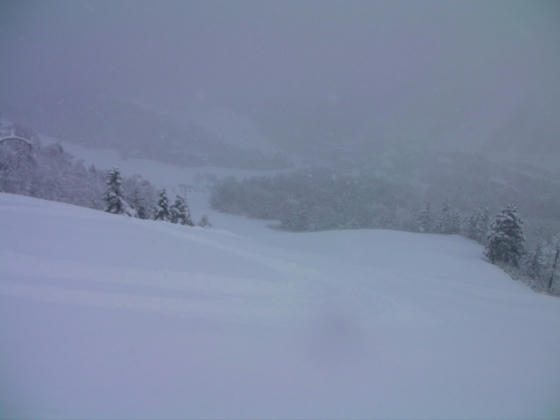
[105, 316]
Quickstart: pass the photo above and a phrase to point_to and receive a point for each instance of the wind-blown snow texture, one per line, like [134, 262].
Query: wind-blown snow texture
[108, 316]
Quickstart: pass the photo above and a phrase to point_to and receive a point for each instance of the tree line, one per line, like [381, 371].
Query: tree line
[178, 212]
[51, 173]
[320, 199]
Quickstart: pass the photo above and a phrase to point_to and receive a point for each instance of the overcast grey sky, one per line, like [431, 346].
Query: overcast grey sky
[330, 65]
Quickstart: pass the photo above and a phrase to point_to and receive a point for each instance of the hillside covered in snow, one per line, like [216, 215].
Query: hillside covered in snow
[104, 316]
[279, 210]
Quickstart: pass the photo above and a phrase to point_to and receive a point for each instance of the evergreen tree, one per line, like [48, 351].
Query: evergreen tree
[449, 221]
[114, 201]
[113, 195]
[161, 212]
[506, 240]
[477, 225]
[179, 212]
[537, 265]
[138, 204]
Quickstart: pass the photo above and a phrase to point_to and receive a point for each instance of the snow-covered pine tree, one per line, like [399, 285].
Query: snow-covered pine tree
[137, 203]
[477, 225]
[113, 195]
[161, 212]
[179, 212]
[537, 262]
[506, 239]
[114, 201]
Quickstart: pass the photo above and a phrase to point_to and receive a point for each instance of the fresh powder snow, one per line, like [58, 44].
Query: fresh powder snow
[105, 316]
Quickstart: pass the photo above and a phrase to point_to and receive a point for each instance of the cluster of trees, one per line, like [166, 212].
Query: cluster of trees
[448, 220]
[505, 245]
[177, 212]
[27, 167]
[504, 240]
[49, 172]
[320, 200]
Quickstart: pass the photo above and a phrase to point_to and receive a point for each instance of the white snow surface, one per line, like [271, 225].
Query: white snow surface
[104, 316]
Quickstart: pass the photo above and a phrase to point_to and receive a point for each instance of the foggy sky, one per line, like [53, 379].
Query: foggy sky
[309, 68]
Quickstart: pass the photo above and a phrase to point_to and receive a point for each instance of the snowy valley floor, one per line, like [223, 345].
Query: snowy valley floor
[105, 316]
